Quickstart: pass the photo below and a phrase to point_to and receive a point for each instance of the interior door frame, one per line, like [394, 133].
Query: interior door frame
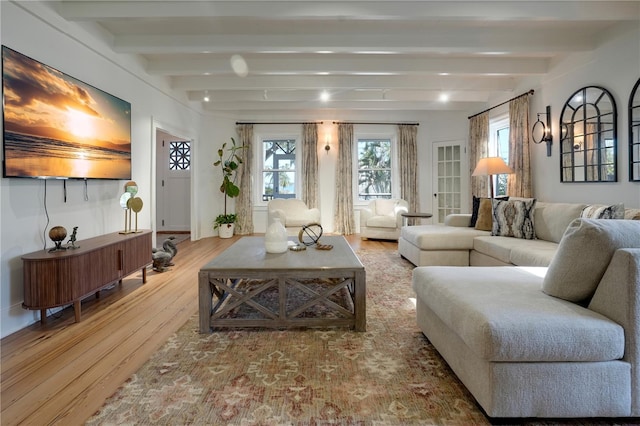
[186, 135]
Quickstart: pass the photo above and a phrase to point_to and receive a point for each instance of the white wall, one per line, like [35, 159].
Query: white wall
[615, 65]
[23, 220]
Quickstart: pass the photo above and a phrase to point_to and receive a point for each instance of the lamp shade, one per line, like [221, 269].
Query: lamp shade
[491, 166]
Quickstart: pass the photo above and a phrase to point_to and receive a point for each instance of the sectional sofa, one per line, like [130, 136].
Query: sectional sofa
[562, 341]
[557, 338]
[455, 243]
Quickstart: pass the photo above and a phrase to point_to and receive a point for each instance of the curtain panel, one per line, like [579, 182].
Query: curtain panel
[519, 182]
[309, 172]
[344, 222]
[478, 148]
[408, 164]
[244, 202]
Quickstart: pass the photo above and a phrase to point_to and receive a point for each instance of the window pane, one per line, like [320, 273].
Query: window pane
[374, 168]
[374, 184]
[279, 168]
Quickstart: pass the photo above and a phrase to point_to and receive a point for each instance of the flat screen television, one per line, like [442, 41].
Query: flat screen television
[56, 126]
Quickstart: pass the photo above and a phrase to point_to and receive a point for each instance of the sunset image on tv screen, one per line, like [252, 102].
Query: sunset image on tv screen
[58, 126]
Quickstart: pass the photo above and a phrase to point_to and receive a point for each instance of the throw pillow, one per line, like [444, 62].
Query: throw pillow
[514, 218]
[484, 221]
[584, 254]
[476, 206]
[601, 211]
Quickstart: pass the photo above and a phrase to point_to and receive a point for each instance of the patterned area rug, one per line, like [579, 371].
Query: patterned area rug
[388, 375]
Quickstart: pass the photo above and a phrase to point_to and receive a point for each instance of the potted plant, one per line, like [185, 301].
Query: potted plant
[229, 160]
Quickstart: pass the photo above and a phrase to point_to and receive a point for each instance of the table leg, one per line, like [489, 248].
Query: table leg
[43, 316]
[204, 302]
[360, 303]
[76, 309]
[144, 275]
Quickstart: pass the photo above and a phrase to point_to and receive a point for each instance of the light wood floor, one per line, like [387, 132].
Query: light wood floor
[62, 372]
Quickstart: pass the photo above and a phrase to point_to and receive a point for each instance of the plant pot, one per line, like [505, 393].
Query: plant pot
[225, 230]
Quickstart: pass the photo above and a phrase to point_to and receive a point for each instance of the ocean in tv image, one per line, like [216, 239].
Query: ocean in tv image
[58, 126]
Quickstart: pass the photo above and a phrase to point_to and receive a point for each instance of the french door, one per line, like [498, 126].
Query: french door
[450, 178]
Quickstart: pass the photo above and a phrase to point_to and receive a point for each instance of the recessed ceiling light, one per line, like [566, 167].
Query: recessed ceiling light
[444, 97]
[443, 73]
[325, 51]
[325, 96]
[322, 73]
[206, 97]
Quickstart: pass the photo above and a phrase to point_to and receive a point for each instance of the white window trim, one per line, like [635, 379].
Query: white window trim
[395, 175]
[258, 165]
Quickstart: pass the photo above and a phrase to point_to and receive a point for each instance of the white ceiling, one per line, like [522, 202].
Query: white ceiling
[369, 55]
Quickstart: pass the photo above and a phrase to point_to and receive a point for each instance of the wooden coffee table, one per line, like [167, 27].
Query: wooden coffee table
[240, 274]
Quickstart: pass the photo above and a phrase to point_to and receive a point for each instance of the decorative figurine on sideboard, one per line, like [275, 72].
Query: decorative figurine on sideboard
[71, 244]
[57, 235]
[162, 256]
[129, 202]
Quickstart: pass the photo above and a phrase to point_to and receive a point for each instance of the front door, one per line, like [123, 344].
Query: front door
[173, 183]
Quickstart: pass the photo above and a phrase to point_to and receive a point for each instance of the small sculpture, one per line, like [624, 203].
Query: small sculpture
[72, 239]
[162, 256]
[57, 235]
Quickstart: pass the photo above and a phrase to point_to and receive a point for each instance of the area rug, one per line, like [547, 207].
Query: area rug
[388, 375]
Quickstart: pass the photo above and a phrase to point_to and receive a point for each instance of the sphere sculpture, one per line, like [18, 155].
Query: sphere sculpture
[57, 235]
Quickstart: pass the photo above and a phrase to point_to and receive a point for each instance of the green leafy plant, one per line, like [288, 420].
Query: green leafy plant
[229, 160]
[224, 219]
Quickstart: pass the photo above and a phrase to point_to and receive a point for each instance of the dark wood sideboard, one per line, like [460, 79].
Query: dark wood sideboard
[59, 278]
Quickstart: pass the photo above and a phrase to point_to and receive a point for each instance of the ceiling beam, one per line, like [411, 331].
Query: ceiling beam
[398, 10]
[337, 83]
[340, 64]
[428, 41]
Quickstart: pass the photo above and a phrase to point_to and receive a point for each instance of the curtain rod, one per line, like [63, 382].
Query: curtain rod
[363, 122]
[530, 92]
[281, 122]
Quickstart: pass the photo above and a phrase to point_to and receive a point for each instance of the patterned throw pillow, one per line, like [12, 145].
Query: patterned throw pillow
[601, 211]
[514, 218]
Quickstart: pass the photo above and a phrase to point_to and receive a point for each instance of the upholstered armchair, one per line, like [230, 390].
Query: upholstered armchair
[382, 219]
[293, 214]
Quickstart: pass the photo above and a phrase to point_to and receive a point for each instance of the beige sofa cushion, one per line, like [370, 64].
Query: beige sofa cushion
[439, 237]
[382, 222]
[502, 315]
[584, 253]
[552, 219]
[516, 251]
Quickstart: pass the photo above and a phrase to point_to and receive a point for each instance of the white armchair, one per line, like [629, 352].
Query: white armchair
[382, 219]
[293, 214]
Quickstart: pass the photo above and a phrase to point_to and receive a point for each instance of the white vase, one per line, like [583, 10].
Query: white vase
[225, 230]
[275, 238]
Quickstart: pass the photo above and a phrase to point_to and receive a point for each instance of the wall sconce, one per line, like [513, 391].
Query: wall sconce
[327, 143]
[541, 132]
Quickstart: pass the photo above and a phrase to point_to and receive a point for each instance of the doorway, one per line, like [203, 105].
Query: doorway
[173, 183]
